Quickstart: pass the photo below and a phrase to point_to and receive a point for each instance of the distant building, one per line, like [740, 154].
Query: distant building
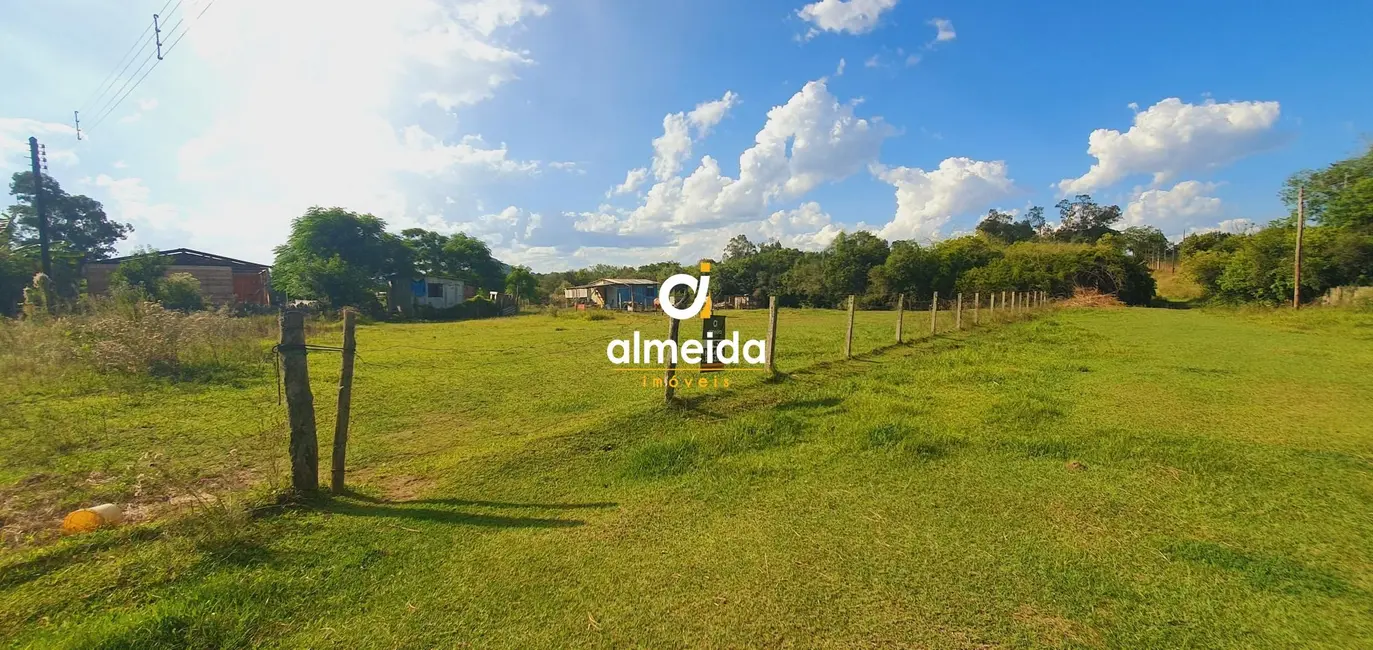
[223, 280]
[615, 293]
[437, 292]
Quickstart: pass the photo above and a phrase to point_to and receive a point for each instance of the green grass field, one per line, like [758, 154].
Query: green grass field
[1091, 478]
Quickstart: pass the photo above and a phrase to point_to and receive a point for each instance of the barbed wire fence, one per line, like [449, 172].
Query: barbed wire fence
[912, 320]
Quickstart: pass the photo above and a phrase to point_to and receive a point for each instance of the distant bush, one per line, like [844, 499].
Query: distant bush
[1258, 267]
[1061, 269]
[475, 307]
[181, 291]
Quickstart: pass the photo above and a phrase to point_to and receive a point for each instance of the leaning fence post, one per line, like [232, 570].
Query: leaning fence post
[934, 314]
[300, 404]
[958, 315]
[848, 337]
[772, 334]
[900, 315]
[345, 400]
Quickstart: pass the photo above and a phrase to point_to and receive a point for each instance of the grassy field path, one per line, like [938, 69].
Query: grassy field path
[1105, 478]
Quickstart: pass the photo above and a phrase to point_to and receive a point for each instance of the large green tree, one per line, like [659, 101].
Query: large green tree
[1341, 195]
[521, 283]
[79, 231]
[1083, 220]
[340, 257]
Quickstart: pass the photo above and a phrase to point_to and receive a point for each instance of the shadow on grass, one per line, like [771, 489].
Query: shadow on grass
[476, 503]
[442, 516]
[56, 557]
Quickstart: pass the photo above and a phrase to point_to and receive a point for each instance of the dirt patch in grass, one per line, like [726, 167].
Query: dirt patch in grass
[1051, 629]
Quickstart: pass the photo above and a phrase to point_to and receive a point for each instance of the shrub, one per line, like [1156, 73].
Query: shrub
[181, 291]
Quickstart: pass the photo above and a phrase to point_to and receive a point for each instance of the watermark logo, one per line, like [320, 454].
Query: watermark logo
[714, 351]
[701, 288]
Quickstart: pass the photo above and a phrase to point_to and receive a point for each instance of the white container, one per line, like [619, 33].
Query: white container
[89, 519]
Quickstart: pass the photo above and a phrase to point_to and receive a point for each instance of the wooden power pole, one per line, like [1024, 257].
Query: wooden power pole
[40, 208]
[1296, 265]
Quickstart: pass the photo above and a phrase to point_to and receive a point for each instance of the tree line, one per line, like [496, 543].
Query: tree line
[1260, 267]
[344, 258]
[1082, 250]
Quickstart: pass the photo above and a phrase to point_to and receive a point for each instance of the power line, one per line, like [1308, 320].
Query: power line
[116, 71]
[188, 27]
[117, 98]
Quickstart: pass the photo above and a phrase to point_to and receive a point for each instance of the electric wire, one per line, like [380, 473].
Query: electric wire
[121, 94]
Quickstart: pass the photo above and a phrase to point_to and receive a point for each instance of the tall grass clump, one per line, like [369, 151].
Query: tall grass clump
[136, 339]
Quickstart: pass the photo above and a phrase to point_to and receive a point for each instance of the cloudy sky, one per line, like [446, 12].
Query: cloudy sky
[571, 132]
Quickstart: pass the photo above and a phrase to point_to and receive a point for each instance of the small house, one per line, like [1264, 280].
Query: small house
[630, 294]
[437, 292]
[223, 280]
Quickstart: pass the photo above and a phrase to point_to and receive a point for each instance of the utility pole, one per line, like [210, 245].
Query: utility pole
[39, 209]
[1296, 266]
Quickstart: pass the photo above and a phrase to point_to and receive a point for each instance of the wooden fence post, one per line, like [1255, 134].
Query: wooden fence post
[300, 404]
[900, 314]
[958, 315]
[977, 308]
[345, 400]
[673, 325]
[848, 338]
[934, 314]
[772, 334]
[1004, 312]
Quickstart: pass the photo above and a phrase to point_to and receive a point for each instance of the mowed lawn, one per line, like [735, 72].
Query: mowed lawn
[1091, 478]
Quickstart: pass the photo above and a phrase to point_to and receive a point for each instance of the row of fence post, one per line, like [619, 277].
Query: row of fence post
[1020, 302]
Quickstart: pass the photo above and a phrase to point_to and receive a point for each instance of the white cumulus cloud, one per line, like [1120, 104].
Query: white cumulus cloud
[673, 147]
[850, 16]
[810, 140]
[1186, 204]
[1173, 137]
[943, 30]
[925, 201]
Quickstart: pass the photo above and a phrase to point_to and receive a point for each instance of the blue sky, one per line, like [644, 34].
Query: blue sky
[567, 133]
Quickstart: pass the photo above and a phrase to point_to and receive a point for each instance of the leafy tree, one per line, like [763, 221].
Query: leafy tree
[457, 256]
[847, 261]
[908, 269]
[958, 256]
[76, 220]
[804, 283]
[1082, 220]
[78, 231]
[739, 246]
[469, 259]
[1002, 226]
[1207, 241]
[341, 257]
[1059, 268]
[141, 272]
[1340, 195]
[1144, 242]
[522, 284]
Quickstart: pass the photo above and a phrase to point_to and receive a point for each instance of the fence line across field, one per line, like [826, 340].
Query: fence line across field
[294, 374]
